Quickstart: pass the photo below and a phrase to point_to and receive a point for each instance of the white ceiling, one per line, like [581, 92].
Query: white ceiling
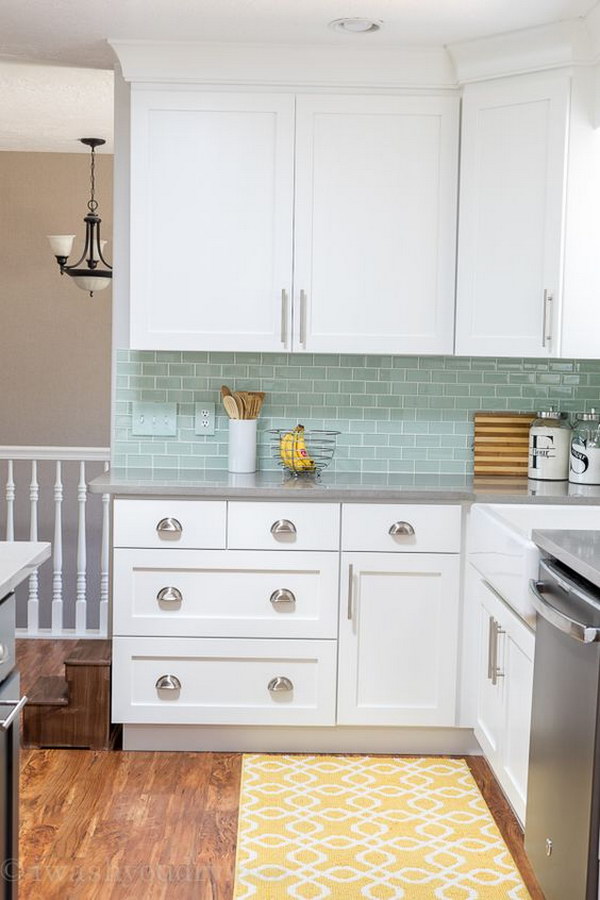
[74, 32]
[55, 78]
[48, 108]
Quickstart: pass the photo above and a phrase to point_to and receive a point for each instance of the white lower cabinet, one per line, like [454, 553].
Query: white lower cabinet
[398, 639]
[504, 690]
[248, 633]
[211, 681]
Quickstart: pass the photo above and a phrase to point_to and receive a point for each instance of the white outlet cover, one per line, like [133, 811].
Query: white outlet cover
[205, 418]
[154, 419]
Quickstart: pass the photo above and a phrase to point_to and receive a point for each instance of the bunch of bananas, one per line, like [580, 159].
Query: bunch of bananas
[293, 452]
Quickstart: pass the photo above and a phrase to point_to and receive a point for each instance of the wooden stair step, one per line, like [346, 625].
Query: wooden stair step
[90, 653]
[49, 690]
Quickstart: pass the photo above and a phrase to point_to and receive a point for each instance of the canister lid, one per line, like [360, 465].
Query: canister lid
[551, 414]
[591, 416]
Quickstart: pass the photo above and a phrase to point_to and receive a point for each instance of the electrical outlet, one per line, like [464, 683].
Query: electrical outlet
[205, 418]
[154, 419]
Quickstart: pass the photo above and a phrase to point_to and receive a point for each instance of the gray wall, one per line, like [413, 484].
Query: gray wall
[54, 339]
[54, 347]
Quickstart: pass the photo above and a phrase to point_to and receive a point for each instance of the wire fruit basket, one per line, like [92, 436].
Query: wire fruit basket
[303, 452]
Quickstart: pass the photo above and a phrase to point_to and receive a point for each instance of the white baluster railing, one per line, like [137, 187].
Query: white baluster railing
[50, 606]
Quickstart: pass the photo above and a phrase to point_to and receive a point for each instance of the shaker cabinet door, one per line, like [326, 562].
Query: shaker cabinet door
[375, 224]
[211, 220]
[398, 639]
[512, 184]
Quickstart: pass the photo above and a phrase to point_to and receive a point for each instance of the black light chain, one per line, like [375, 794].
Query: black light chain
[92, 203]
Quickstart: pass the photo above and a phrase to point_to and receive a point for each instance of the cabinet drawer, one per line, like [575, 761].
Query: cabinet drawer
[419, 529]
[298, 526]
[224, 682]
[225, 593]
[169, 523]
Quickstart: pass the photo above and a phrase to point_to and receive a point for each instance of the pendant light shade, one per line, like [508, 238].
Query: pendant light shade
[96, 274]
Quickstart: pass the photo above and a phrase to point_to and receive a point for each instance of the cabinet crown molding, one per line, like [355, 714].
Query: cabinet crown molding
[193, 62]
[528, 50]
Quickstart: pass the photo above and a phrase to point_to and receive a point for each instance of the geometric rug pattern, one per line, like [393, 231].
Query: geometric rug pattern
[349, 827]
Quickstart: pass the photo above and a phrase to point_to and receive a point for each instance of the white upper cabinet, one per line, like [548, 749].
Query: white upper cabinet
[512, 196]
[375, 223]
[211, 219]
[213, 211]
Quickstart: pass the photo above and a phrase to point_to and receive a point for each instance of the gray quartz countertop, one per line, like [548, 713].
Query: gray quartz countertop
[340, 486]
[18, 560]
[579, 550]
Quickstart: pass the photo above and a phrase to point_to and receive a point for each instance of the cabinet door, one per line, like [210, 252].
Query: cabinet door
[398, 639]
[375, 224]
[211, 220]
[489, 721]
[517, 664]
[513, 157]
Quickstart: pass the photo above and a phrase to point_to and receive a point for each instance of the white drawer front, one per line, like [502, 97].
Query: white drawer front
[225, 593]
[155, 523]
[224, 682]
[289, 526]
[419, 529]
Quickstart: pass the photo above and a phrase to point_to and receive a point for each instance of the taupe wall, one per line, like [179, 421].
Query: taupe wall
[54, 339]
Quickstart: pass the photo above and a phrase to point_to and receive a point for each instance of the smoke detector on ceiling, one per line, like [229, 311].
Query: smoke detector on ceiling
[356, 25]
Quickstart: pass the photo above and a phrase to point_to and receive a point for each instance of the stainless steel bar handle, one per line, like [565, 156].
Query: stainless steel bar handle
[17, 706]
[496, 670]
[401, 528]
[586, 634]
[558, 576]
[303, 318]
[168, 683]
[491, 637]
[169, 595]
[283, 526]
[169, 526]
[494, 651]
[284, 316]
[547, 317]
[282, 595]
[4, 653]
[280, 683]
[350, 612]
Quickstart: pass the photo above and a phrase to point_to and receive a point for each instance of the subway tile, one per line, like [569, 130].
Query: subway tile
[402, 413]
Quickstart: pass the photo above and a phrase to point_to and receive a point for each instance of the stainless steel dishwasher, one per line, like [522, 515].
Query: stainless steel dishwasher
[561, 828]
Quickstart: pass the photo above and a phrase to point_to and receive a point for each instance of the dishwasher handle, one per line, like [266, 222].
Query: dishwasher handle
[586, 634]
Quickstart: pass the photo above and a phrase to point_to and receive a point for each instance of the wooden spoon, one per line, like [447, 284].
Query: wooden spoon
[231, 406]
[225, 392]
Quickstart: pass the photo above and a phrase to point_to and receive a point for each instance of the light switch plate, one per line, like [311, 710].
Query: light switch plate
[205, 418]
[154, 419]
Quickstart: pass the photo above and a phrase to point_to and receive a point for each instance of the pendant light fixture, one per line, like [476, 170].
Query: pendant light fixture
[91, 277]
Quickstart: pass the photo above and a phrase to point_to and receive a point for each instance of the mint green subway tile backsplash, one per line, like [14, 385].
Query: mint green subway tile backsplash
[408, 414]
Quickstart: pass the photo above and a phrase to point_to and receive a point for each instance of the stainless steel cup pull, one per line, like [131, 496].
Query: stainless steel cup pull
[401, 528]
[276, 685]
[283, 526]
[169, 595]
[168, 683]
[4, 654]
[169, 526]
[282, 595]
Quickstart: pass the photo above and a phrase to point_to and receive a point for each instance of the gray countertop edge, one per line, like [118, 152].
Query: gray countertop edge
[578, 550]
[260, 487]
[18, 560]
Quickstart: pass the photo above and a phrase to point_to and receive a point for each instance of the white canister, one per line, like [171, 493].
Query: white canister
[549, 446]
[242, 445]
[584, 466]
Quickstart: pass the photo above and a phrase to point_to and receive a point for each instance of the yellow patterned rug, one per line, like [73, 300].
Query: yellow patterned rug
[384, 828]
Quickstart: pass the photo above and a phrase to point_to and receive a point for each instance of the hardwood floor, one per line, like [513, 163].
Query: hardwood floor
[98, 825]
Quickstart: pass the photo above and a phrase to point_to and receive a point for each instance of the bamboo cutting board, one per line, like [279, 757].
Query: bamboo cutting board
[501, 442]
